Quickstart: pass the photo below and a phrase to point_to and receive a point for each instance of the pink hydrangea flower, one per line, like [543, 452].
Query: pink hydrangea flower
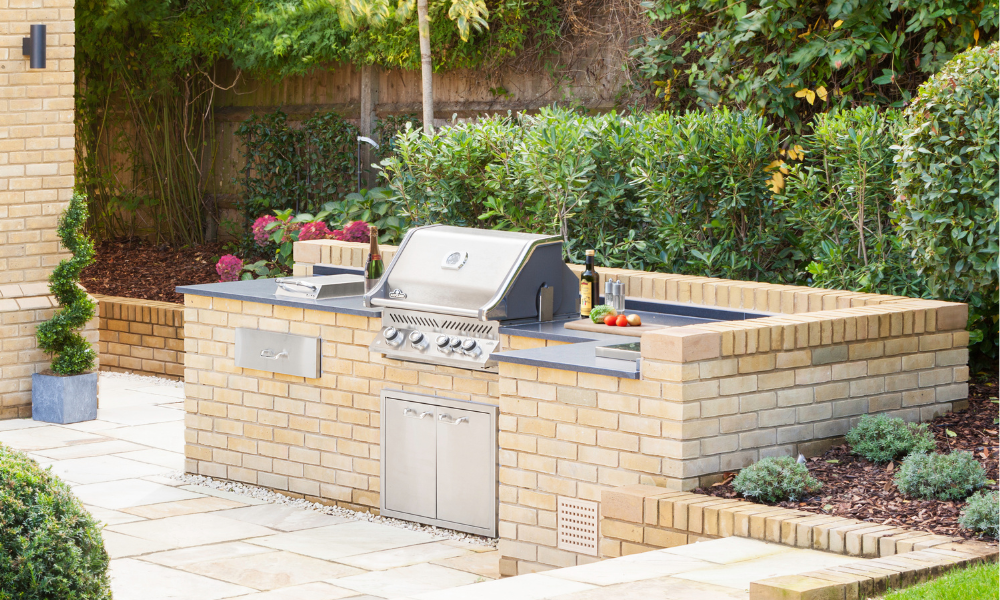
[356, 232]
[261, 234]
[229, 268]
[314, 231]
[337, 234]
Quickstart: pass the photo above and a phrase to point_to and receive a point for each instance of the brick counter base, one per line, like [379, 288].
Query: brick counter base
[144, 337]
[639, 518]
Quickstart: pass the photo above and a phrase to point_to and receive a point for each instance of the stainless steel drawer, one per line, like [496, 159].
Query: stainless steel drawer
[439, 461]
[278, 352]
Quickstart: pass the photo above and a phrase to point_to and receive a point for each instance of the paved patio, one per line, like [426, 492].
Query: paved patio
[170, 540]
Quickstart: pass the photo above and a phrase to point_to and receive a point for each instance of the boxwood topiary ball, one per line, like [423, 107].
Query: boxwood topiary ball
[50, 547]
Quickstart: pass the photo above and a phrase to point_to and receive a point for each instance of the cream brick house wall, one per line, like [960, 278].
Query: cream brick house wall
[36, 182]
[36, 138]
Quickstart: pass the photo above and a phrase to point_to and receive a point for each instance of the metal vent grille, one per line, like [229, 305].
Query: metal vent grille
[468, 327]
[577, 526]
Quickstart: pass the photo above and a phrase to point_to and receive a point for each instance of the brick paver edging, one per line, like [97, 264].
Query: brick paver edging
[638, 518]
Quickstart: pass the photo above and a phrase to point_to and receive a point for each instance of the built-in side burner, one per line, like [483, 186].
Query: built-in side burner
[629, 351]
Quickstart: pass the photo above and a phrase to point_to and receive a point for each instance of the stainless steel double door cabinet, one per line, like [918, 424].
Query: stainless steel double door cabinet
[439, 461]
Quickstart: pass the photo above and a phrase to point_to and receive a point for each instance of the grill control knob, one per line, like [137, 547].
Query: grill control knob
[471, 348]
[392, 336]
[442, 344]
[456, 343]
[417, 340]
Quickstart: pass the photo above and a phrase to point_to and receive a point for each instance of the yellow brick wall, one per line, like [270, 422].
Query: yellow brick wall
[141, 336]
[36, 138]
[22, 308]
[317, 438]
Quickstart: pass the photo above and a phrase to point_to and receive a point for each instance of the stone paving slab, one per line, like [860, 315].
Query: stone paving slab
[169, 539]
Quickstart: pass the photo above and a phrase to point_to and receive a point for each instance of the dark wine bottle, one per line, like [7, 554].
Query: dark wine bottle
[374, 267]
[588, 286]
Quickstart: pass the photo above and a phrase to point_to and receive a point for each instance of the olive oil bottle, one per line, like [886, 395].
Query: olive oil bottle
[588, 286]
[374, 267]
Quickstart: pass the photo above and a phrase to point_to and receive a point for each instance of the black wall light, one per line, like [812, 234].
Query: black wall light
[34, 47]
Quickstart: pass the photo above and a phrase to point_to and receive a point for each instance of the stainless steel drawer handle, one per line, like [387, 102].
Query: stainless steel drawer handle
[409, 412]
[450, 421]
[271, 354]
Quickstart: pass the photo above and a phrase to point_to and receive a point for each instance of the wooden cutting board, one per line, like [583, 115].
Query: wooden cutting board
[588, 325]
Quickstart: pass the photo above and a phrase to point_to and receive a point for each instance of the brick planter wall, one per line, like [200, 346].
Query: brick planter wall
[141, 336]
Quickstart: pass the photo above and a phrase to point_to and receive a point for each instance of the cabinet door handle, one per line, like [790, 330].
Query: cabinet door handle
[271, 354]
[409, 412]
[450, 421]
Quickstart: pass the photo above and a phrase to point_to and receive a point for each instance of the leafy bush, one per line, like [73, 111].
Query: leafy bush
[982, 513]
[774, 479]
[790, 60]
[59, 334]
[683, 193]
[50, 547]
[707, 180]
[950, 476]
[881, 439]
[838, 197]
[947, 187]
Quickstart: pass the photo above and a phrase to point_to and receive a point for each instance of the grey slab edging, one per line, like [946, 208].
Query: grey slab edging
[262, 292]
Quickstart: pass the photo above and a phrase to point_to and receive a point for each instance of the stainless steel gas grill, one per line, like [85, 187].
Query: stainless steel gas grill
[448, 290]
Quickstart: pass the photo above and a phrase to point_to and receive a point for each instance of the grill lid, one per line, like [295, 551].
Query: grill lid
[479, 273]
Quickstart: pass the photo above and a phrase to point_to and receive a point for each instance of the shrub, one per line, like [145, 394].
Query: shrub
[881, 439]
[59, 334]
[838, 198]
[940, 476]
[947, 187]
[50, 547]
[982, 513]
[775, 479]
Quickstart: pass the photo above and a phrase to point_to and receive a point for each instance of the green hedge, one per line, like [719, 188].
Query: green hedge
[50, 547]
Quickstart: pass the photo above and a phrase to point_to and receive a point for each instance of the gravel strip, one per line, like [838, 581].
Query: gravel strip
[144, 379]
[275, 498]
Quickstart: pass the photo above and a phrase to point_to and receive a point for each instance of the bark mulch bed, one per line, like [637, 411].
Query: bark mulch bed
[135, 269]
[858, 489]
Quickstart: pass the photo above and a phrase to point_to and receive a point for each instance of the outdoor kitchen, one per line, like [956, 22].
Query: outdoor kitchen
[462, 388]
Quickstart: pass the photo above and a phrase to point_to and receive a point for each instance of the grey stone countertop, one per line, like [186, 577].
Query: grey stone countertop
[262, 291]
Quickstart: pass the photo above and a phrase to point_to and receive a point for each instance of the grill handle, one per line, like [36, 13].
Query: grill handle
[403, 304]
[272, 355]
[289, 285]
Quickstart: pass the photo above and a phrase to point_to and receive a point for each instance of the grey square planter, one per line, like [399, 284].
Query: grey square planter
[64, 399]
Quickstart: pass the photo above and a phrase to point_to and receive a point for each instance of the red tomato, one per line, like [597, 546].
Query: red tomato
[610, 320]
[621, 321]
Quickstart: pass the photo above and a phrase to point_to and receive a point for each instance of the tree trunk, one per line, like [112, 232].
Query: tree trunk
[426, 69]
